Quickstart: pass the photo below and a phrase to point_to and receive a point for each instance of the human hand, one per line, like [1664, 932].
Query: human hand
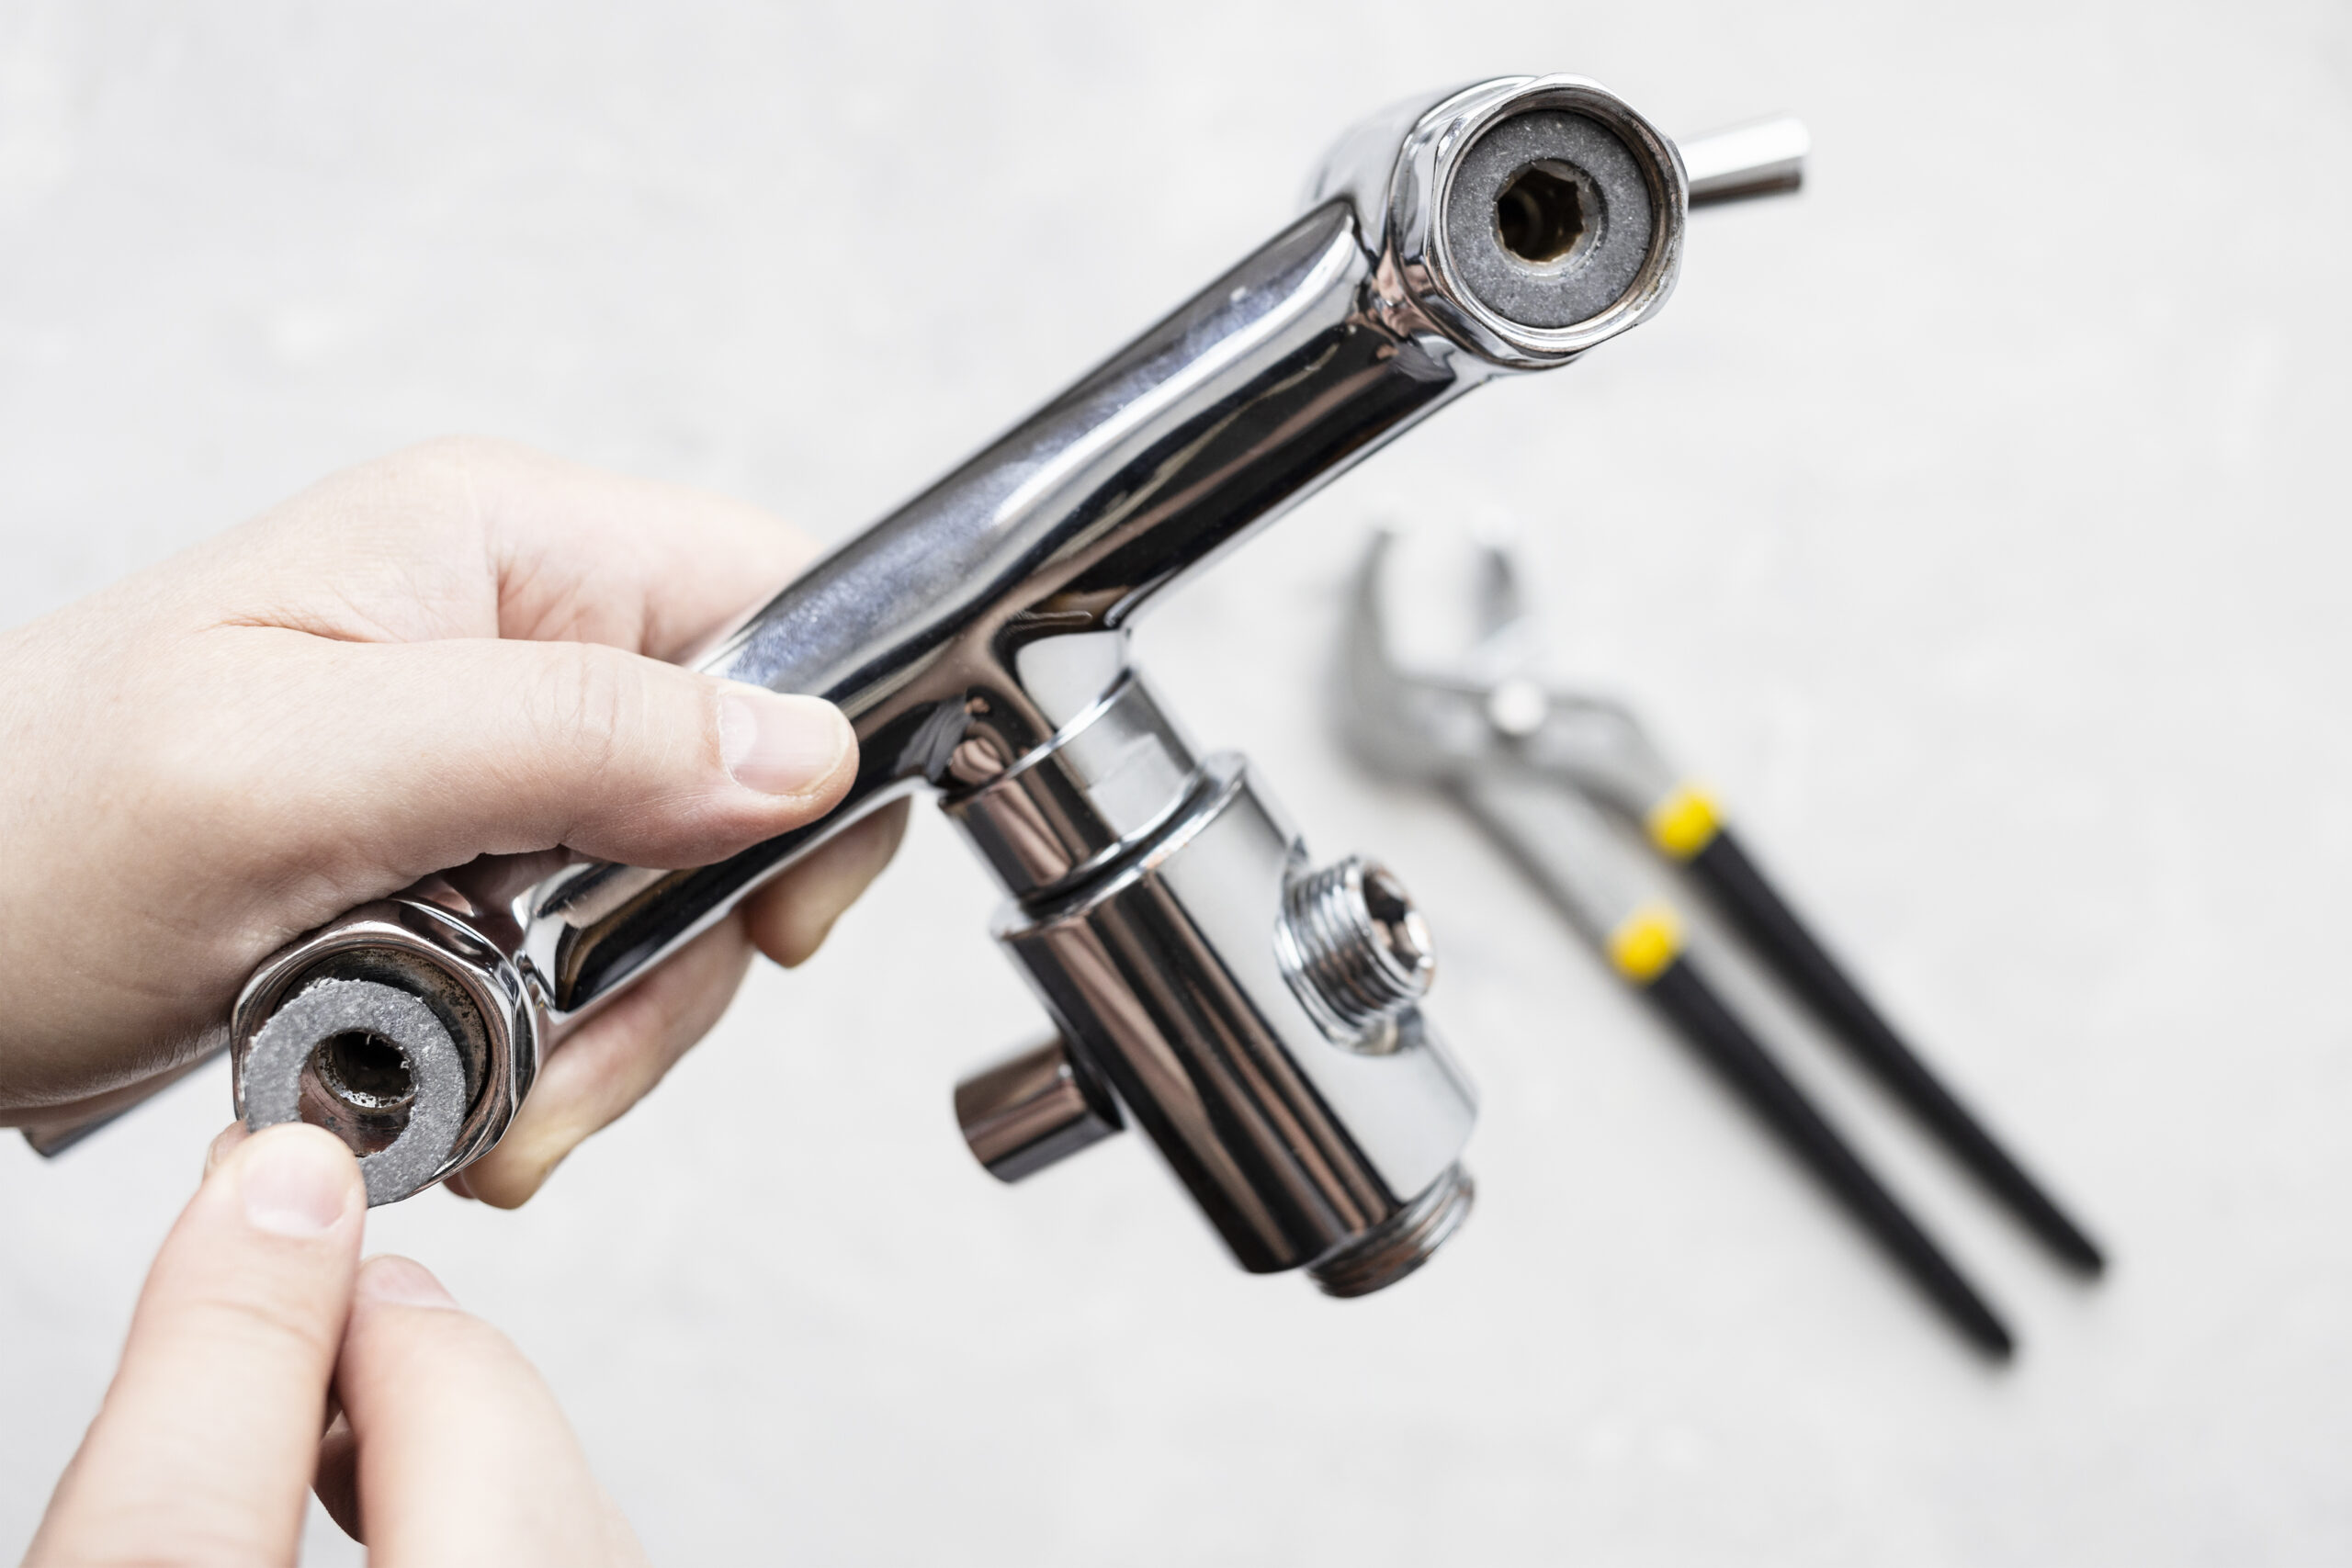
[450, 652]
[448, 1448]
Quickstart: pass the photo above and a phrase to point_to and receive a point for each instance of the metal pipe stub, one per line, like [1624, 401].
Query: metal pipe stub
[1033, 1110]
[1400, 1243]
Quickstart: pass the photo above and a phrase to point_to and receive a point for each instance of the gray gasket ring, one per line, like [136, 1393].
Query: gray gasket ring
[1541, 295]
[280, 1051]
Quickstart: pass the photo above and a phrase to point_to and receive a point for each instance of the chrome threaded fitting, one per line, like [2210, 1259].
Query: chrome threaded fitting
[1355, 950]
[1400, 1243]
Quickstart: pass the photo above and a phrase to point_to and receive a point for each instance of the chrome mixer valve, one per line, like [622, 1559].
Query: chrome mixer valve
[1258, 1020]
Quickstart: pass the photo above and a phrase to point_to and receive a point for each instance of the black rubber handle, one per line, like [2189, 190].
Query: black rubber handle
[1767, 922]
[1686, 998]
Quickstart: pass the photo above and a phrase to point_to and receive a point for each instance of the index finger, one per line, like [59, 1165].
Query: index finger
[204, 1449]
[587, 556]
[468, 538]
[462, 1453]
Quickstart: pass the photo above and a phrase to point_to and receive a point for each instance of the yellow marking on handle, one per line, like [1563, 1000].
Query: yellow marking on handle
[1685, 822]
[1644, 943]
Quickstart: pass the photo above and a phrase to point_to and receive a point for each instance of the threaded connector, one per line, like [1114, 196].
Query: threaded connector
[1401, 1242]
[1355, 950]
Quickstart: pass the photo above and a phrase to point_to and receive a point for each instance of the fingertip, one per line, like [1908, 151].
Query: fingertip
[223, 1145]
[463, 1454]
[512, 1175]
[296, 1181]
[392, 1281]
[790, 919]
[786, 744]
[802, 942]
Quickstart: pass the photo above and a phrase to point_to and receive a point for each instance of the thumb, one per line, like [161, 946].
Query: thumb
[425, 755]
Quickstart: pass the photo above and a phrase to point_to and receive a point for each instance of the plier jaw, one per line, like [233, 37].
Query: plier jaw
[1488, 714]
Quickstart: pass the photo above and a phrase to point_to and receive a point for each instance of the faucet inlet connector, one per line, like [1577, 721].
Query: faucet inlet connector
[1400, 1243]
[1355, 950]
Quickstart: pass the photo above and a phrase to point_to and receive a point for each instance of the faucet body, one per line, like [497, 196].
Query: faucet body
[1258, 1020]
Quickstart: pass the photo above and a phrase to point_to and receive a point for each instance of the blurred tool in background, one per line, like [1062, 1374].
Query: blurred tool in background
[1538, 768]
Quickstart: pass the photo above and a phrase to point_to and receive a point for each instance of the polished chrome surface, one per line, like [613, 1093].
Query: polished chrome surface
[976, 638]
[1033, 1110]
[1116, 771]
[1165, 977]
[943, 630]
[1761, 157]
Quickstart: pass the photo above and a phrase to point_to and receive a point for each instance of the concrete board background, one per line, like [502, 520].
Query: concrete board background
[1975, 522]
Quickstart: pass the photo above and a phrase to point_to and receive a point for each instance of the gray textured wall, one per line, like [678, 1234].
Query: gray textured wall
[1975, 521]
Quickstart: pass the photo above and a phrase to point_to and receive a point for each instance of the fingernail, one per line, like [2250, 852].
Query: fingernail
[296, 1181]
[779, 744]
[403, 1282]
[223, 1147]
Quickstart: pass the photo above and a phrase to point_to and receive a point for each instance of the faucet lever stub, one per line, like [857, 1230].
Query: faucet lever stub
[1031, 1111]
[1764, 157]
